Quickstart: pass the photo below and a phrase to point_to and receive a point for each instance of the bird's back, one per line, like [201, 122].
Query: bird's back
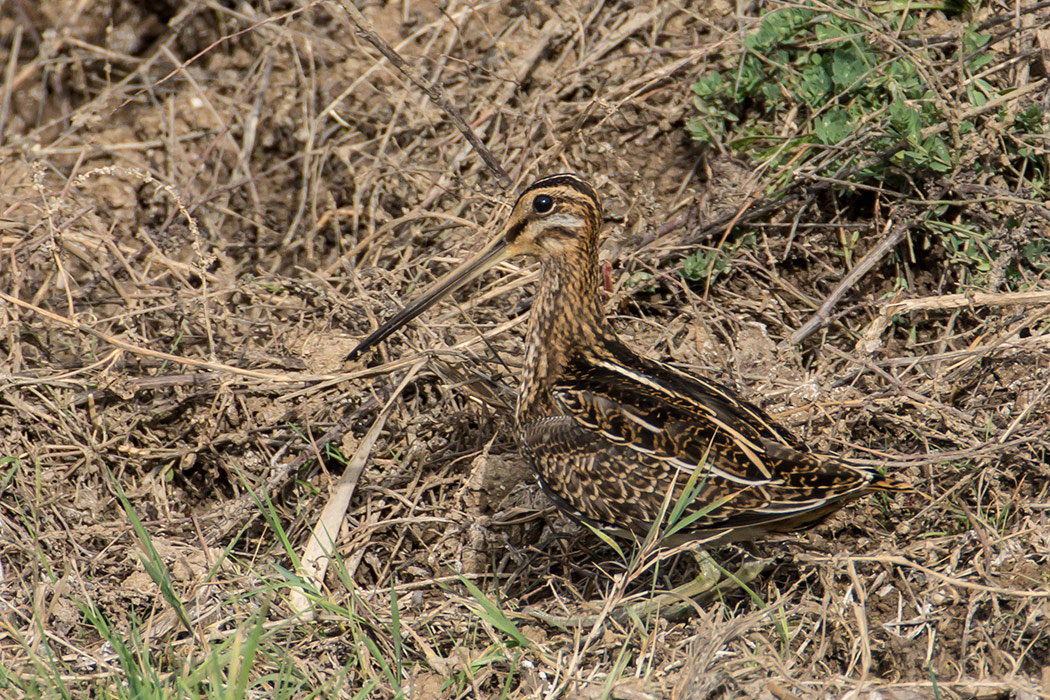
[629, 437]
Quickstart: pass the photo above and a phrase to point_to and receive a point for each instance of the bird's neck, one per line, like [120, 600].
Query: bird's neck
[566, 319]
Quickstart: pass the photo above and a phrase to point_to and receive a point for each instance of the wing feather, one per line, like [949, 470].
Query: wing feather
[630, 432]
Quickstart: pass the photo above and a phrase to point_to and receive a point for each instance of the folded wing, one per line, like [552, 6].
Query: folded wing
[630, 428]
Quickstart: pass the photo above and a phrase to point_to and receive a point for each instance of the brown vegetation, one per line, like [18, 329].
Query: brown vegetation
[204, 205]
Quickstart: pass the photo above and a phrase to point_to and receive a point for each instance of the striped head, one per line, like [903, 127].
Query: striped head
[554, 216]
[556, 219]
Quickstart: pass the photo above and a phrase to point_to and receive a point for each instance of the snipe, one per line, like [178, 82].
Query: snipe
[614, 436]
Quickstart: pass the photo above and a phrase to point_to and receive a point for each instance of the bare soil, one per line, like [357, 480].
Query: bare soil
[203, 206]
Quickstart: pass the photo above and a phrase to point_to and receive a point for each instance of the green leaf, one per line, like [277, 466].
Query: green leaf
[698, 266]
[750, 75]
[1030, 119]
[833, 126]
[608, 540]
[770, 92]
[814, 84]
[939, 157]
[491, 613]
[848, 66]
[904, 120]
[700, 131]
[826, 31]
[975, 96]
[709, 85]
[774, 28]
[973, 40]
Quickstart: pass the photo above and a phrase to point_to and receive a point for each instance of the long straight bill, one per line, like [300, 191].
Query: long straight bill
[494, 252]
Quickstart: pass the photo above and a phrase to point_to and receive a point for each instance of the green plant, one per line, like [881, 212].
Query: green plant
[864, 97]
[708, 264]
[842, 73]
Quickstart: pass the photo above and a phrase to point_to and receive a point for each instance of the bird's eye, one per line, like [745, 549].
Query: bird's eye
[542, 204]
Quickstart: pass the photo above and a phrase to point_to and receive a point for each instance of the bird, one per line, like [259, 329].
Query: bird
[618, 440]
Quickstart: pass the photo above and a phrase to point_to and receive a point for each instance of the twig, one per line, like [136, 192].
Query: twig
[962, 301]
[870, 342]
[434, 92]
[892, 235]
[9, 75]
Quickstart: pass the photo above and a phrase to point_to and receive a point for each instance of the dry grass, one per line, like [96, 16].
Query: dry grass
[201, 210]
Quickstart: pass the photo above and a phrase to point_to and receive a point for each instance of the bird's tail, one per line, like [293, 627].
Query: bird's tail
[888, 482]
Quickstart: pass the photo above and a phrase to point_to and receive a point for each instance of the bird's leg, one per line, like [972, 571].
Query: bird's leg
[712, 580]
[709, 578]
[751, 567]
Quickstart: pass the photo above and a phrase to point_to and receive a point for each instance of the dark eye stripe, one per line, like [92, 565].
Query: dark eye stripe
[515, 230]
